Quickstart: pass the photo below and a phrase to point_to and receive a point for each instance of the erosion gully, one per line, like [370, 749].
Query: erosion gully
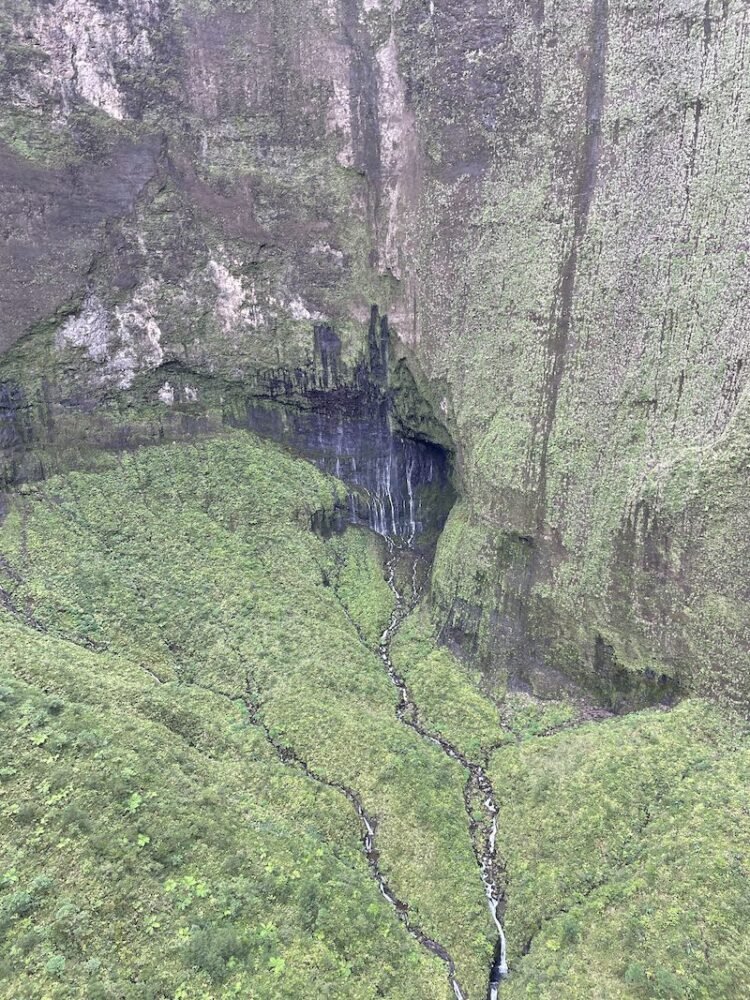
[477, 792]
[369, 826]
[478, 789]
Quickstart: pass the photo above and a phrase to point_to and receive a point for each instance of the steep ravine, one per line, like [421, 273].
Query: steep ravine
[478, 793]
[290, 758]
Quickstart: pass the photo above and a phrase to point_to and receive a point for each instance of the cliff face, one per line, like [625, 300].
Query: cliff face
[550, 201]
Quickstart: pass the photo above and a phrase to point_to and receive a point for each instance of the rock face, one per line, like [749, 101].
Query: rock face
[551, 202]
[351, 425]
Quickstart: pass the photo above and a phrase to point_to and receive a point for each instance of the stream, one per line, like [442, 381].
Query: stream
[478, 788]
[369, 827]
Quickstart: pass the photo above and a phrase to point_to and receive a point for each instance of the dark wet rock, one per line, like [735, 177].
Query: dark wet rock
[400, 484]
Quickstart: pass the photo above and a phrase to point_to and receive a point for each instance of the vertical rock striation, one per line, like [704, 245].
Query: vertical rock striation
[549, 200]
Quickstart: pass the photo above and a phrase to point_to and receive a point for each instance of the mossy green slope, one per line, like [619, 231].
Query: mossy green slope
[155, 844]
[625, 841]
[196, 566]
[627, 846]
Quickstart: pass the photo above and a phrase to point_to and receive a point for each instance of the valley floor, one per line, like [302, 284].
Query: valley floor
[210, 787]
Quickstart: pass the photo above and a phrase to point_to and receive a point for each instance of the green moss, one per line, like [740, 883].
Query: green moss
[153, 837]
[354, 570]
[198, 563]
[526, 717]
[623, 832]
[153, 842]
[449, 694]
[411, 406]
[563, 428]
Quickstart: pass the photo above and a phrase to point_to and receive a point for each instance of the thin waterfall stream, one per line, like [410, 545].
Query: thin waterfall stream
[478, 787]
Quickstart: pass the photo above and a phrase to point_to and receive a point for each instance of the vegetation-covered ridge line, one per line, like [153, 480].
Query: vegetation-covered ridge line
[626, 861]
[478, 789]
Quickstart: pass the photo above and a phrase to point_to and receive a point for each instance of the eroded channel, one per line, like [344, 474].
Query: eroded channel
[369, 828]
[478, 790]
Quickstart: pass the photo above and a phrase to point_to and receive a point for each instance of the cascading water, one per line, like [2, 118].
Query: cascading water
[398, 486]
[412, 508]
[388, 475]
[343, 421]
[478, 786]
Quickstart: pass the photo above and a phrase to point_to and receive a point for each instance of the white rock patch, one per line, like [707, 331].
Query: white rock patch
[85, 43]
[325, 249]
[166, 394]
[123, 344]
[89, 329]
[235, 306]
[299, 311]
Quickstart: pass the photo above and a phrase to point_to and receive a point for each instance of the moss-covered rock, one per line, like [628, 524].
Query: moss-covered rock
[550, 203]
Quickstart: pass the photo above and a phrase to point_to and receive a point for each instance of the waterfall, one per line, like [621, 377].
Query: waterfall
[390, 488]
[387, 474]
[410, 490]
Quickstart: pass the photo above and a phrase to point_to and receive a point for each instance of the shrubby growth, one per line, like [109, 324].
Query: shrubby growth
[171, 627]
[150, 610]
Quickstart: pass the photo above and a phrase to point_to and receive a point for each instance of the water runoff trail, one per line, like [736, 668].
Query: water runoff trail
[369, 827]
[478, 789]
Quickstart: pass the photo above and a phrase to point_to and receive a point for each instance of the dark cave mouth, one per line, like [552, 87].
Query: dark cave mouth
[371, 427]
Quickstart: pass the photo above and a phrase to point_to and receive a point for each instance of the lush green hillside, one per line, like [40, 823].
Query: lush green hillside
[153, 604]
[628, 851]
[474, 250]
[153, 846]
[176, 640]
[549, 201]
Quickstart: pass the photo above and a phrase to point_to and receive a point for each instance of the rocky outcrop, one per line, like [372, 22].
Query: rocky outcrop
[551, 203]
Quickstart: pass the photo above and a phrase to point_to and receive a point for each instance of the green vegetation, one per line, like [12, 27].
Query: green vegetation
[195, 566]
[628, 853]
[458, 702]
[154, 846]
[161, 616]
[447, 693]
